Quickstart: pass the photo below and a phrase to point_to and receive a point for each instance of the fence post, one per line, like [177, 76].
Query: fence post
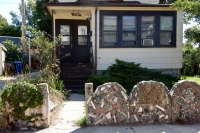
[45, 105]
[88, 97]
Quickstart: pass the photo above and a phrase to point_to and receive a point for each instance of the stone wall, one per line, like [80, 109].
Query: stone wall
[185, 106]
[149, 102]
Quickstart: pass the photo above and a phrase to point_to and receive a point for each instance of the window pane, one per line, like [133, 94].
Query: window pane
[148, 34]
[65, 40]
[129, 23]
[148, 22]
[165, 38]
[110, 23]
[166, 23]
[129, 36]
[82, 30]
[82, 40]
[65, 30]
[110, 39]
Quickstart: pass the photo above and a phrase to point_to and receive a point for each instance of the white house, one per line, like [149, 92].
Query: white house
[99, 31]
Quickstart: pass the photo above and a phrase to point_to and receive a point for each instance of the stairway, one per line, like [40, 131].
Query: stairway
[75, 75]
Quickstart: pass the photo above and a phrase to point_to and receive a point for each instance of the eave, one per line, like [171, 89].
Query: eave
[101, 4]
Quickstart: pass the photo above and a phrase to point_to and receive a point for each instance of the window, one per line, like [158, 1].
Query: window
[166, 30]
[110, 31]
[148, 30]
[82, 35]
[121, 29]
[129, 31]
[65, 32]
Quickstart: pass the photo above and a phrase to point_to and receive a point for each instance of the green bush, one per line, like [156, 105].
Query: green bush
[20, 96]
[14, 51]
[129, 74]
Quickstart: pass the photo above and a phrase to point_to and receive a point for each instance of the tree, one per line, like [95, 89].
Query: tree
[35, 16]
[8, 30]
[193, 35]
[3, 21]
[191, 13]
[43, 21]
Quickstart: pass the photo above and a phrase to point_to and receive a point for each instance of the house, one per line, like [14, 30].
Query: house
[99, 31]
[15, 40]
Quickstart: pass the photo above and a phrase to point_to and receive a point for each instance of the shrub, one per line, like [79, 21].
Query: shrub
[14, 51]
[20, 96]
[129, 74]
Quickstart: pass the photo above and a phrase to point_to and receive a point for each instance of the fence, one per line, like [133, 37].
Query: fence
[149, 102]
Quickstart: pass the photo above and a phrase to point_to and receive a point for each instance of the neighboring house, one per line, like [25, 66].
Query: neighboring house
[99, 31]
[16, 40]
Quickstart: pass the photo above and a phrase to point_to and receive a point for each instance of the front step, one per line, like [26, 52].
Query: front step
[75, 75]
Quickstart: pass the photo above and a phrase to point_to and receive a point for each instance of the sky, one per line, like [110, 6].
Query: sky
[9, 5]
[12, 5]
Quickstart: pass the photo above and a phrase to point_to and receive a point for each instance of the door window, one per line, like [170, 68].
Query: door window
[82, 35]
[65, 32]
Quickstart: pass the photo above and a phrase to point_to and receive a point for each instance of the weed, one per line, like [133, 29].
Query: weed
[82, 122]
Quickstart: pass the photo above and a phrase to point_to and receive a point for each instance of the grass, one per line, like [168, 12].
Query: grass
[192, 78]
[1, 77]
[82, 122]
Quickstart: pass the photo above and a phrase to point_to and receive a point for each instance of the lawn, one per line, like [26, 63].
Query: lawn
[192, 78]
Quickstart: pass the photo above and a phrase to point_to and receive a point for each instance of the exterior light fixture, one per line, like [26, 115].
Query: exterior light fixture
[88, 17]
[76, 13]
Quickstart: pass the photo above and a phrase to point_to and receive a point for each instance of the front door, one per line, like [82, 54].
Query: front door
[75, 41]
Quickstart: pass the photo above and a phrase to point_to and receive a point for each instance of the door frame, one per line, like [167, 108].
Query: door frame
[74, 34]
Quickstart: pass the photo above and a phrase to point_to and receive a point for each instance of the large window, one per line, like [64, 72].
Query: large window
[166, 30]
[137, 29]
[110, 31]
[129, 31]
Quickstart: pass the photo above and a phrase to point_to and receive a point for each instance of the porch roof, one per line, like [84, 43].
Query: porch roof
[99, 4]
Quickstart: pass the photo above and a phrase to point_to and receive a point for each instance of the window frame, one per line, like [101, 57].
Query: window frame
[138, 15]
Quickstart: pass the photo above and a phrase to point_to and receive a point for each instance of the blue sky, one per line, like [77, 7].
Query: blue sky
[8, 5]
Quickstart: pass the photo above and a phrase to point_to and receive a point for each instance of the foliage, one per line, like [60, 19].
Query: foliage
[19, 97]
[129, 74]
[82, 122]
[48, 60]
[1, 103]
[193, 35]
[195, 78]
[14, 51]
[36, 16]
[191, 60]
[43, 21]
[3, 21]
[191, 10]
[10, 30]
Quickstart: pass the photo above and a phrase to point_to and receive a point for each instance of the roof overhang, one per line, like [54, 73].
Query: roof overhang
[53, 7]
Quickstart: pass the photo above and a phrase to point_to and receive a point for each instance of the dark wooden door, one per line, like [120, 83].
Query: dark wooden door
[75, 41]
